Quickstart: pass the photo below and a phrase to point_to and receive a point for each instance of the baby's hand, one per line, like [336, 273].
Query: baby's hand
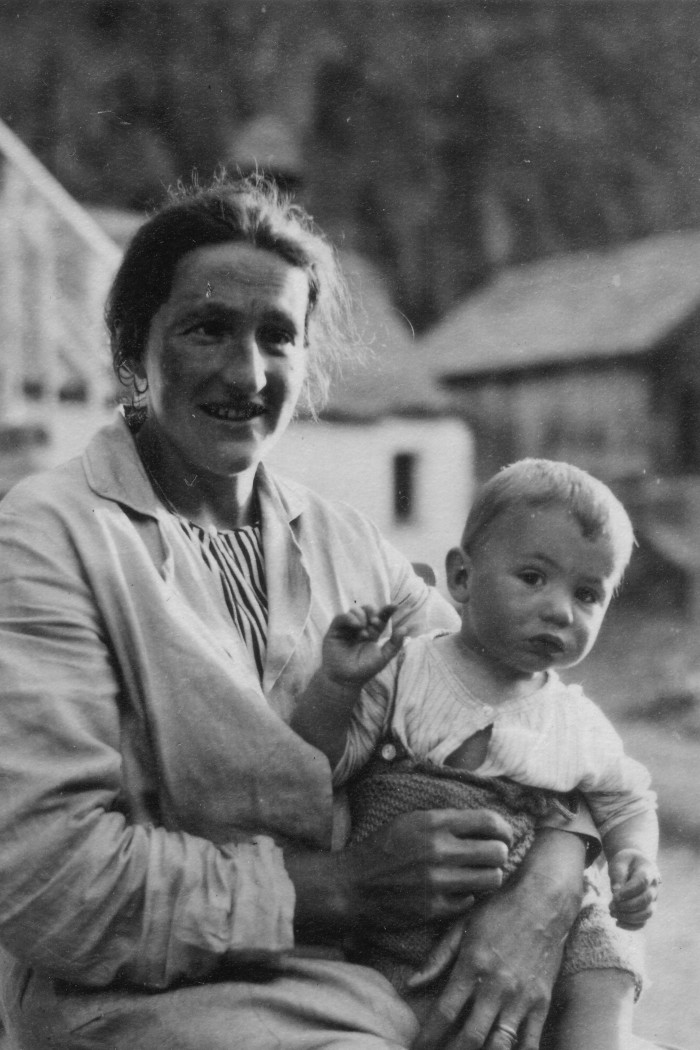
[351, 653]
[635, 882]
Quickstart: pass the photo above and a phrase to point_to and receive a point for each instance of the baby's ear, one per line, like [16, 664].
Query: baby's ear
[457, 567]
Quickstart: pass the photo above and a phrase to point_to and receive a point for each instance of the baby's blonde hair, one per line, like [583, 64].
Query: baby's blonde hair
[542, 482]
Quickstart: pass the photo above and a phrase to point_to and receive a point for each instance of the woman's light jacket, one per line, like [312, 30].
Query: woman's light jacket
[147, 780]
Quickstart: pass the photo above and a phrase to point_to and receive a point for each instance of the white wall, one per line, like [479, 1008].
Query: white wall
[354, 463]
[70, 426]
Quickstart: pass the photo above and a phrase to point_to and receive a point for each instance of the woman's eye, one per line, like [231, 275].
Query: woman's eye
[271, 335]
[210, 331]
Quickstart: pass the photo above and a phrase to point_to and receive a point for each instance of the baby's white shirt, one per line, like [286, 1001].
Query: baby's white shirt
[554, 738]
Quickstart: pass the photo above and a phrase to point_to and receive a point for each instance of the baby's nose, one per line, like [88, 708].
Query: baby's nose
[558, 610]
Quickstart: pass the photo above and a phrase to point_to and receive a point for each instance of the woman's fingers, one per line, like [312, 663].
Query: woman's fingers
[511, 1032]
[531, 1030]
[442, 1021]
[427, 865]
[478, 823]
[453, 886]
[440, 958]
[474, 1031]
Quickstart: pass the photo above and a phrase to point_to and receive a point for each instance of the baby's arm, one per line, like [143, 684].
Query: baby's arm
[351, 656]
[631, 849]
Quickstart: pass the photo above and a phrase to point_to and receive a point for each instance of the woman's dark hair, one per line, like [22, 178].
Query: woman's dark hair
[252, 211]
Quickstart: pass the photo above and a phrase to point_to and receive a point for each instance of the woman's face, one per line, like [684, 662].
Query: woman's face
[226, 356]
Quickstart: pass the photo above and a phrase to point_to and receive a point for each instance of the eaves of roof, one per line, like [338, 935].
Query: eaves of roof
[572, 308]
[392, 377]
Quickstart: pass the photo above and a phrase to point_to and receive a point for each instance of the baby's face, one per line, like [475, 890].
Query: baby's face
[538, 590]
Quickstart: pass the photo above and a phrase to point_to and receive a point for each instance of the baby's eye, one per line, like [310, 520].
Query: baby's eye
[588, 595]
[532, 577]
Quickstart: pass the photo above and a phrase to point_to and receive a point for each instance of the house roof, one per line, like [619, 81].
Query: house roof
[575, 307]
[392, 377]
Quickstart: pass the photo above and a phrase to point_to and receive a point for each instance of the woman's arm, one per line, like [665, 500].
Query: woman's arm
[428, 866]
[89, 894]
[511, 952]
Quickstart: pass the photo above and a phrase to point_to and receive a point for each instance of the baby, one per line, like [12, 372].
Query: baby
[484, 712]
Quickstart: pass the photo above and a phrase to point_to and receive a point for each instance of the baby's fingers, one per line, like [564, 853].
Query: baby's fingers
[354, 618]
[634, 906]
[357, 623]
[373, 621]
[644, 881]
[635, 919]
[393, 645]
[378, 618]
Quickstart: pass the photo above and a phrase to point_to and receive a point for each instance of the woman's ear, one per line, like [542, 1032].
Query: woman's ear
[457, 566]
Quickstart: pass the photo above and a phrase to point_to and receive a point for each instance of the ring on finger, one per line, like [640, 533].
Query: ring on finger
[509, 1031]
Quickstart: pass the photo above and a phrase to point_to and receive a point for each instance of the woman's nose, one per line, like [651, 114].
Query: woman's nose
[244, 365]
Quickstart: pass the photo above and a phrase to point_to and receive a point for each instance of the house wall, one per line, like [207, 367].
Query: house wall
[598, 418]
[355, 463]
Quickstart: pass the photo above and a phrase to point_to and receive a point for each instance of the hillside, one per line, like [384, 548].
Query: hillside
[442, 139]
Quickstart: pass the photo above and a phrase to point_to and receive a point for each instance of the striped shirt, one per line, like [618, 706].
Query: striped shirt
[236, 557]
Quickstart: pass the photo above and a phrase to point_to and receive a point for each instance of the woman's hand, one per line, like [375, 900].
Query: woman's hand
[510, 954]
[420, 867]
[427, 865]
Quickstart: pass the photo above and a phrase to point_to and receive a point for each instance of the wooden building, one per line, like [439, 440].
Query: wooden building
[594, 358]
[591, 357]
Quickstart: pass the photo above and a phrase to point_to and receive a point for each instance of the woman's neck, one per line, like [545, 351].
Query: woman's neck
[206, 499]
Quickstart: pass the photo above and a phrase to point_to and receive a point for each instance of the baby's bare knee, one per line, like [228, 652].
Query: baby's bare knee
[598, 986]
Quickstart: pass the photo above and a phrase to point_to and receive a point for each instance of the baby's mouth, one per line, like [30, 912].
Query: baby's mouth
[549, 644]
[240, 412]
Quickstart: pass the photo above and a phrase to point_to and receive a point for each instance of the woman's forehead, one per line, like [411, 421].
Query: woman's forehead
[236, 270]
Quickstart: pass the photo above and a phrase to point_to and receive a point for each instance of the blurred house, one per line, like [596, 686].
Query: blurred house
[592, 358]
[56, 265]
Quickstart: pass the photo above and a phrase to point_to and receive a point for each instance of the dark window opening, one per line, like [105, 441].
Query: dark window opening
[404, 486]
[689, 429]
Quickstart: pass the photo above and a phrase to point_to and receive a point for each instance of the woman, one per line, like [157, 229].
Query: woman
[170, 851]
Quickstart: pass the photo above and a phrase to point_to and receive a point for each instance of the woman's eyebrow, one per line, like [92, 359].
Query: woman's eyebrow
[212, 308]
[280, 317]
[205, 309]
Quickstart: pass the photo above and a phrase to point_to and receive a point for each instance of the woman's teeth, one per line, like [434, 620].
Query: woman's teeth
[237, 414]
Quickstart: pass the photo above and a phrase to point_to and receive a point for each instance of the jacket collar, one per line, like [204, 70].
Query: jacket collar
[114, 471]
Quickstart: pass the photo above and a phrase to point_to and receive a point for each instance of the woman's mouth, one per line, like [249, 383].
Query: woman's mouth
[238, 413]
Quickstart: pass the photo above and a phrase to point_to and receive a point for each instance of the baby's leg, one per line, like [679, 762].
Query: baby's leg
[592, 1010]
